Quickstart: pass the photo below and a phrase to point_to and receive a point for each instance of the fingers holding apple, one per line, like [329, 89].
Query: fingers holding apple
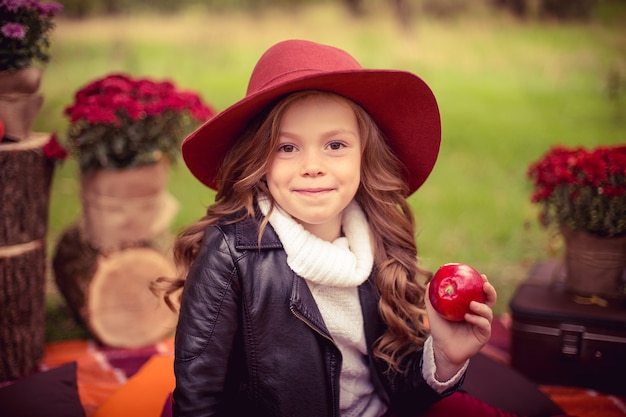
[459, 310]
[490, 293]
[480, 316]
[454, 286]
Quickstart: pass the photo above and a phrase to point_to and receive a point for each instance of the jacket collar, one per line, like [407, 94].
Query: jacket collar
[301, 300]
[247, 232]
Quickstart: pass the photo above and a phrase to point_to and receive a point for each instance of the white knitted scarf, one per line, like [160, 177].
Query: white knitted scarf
[345, 262]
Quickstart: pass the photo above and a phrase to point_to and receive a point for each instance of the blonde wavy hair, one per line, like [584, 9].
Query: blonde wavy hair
[382, 196]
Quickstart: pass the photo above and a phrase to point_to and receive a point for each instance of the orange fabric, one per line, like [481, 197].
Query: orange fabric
[145, 393]
[96, 380]
[59, 353]
[106, 392]
[586, 402]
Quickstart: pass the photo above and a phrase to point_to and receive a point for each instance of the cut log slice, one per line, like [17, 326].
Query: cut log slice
[121, 309]
[109, 294]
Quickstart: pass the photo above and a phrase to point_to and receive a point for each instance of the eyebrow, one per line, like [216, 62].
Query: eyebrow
[329, 133]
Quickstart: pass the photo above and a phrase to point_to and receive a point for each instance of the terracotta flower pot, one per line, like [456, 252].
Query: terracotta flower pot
[19, 101]
[24, 81]
[18, 113]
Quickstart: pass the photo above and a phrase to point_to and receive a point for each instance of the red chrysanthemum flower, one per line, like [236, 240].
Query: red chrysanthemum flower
[118, 121]
[585, 189]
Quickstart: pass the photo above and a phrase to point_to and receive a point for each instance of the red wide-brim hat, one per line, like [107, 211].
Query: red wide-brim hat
[402, 105]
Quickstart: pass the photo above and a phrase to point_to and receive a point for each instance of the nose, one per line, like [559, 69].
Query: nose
[313, 164]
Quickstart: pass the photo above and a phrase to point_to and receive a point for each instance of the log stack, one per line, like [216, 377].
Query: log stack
[105, 262]
[25, 177]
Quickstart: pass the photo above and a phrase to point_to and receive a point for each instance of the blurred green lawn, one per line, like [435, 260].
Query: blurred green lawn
[507, 92]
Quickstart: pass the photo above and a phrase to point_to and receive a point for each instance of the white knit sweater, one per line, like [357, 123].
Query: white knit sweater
[333, 271]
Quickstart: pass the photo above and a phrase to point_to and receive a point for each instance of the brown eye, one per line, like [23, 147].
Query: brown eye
[336, 145]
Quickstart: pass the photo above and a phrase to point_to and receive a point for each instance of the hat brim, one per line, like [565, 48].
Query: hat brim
[402, 105]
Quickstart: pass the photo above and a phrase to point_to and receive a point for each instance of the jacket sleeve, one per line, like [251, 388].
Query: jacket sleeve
[411, 395]
[207, 325]
[429, 369]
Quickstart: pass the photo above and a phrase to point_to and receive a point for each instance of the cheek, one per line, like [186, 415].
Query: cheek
[278, 173]
[356, 183]
[352, 171]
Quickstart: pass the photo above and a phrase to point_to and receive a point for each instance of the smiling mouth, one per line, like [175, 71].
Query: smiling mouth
[313, 191]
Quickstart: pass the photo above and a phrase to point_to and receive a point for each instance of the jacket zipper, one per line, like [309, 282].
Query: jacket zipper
[306, 321]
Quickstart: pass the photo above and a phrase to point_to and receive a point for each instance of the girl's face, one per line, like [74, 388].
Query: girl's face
[315, 170]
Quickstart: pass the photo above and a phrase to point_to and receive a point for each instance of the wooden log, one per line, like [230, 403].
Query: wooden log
[110, 292]
[22, 309]
[25, 176]
[73, 264]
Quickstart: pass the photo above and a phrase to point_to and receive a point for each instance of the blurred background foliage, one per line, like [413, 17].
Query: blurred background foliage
[527, 9]
[512, 78]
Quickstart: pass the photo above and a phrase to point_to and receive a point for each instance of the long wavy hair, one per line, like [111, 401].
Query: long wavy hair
[382, 195]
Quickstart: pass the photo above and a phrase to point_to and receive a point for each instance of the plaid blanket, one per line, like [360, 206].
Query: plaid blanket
[137, 382]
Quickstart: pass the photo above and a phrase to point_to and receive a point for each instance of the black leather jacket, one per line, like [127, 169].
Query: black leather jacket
[250, 340]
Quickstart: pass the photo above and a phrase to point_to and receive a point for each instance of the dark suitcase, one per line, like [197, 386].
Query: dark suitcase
[560, 340]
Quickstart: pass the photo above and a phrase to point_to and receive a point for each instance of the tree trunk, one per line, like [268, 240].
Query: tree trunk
[22, 309]
[25, 175]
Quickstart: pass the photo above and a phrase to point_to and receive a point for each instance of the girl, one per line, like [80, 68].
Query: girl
[302, 291]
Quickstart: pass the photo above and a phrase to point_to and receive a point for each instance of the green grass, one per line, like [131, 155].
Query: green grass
[507, 92]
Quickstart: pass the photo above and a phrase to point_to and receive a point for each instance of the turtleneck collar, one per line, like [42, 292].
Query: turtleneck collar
[345, 262]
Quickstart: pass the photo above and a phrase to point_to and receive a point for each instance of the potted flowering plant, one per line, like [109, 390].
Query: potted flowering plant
[121, 122]
[124, 132]
[583, 192]
[583, 189]
[25, 26]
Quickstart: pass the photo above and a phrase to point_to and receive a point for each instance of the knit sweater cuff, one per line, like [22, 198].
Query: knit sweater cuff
[429, 369]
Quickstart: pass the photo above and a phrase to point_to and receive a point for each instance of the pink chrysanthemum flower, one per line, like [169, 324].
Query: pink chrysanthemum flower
[13, 31]
[12, 5]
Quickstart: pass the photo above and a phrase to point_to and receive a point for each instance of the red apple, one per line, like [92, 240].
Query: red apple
[453, 287]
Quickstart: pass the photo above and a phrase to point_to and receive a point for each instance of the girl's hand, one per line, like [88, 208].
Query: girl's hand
[455, 342]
